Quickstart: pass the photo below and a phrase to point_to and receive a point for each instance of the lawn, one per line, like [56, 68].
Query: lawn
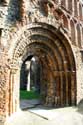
[29, 94]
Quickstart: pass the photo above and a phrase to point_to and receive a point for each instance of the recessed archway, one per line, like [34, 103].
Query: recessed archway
[58, 78]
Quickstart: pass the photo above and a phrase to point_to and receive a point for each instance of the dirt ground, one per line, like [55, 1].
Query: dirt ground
[62, 116]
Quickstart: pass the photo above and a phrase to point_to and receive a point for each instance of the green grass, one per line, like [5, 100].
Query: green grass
[29, 94]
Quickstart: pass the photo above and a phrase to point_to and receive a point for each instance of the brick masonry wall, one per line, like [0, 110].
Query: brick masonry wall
[3, 79]
[10, 23]
[79, 73]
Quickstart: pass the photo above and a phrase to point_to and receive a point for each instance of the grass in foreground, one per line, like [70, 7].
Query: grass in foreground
[29, 94]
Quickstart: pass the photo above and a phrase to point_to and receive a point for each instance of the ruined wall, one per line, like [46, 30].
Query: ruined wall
[66, 15]
[3, 86]
[2, 91]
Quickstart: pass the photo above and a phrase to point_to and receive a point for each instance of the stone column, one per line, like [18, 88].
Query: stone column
[11, 87]
[11, 92]
[73, 87]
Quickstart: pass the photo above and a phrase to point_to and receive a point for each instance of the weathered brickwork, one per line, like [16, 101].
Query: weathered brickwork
[3, 80]
[51, 30]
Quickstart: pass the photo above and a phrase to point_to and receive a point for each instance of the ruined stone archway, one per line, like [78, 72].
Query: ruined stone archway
[58, 86]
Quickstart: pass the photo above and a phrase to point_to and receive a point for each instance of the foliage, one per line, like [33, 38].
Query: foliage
[29, 94]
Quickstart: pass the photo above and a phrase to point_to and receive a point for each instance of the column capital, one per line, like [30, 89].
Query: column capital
[13, 70]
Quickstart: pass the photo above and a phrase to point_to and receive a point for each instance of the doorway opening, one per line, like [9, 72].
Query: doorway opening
[30, 83]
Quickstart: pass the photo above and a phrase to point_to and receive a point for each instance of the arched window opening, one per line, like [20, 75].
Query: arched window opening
[70, 5]
[75, 8]
[73, 32]
[65, 21]
[78, 35]
[80, 11]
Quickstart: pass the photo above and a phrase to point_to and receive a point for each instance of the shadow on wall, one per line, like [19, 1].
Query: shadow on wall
[80, 107]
